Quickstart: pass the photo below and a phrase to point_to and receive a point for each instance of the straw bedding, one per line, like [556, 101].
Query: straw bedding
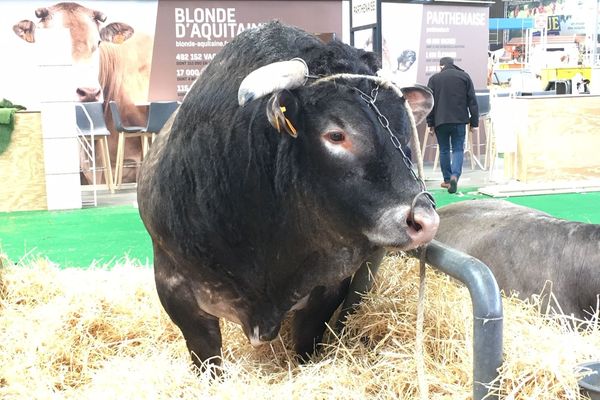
[101, 333]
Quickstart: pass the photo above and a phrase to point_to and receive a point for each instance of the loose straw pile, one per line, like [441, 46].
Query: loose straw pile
[100, 333]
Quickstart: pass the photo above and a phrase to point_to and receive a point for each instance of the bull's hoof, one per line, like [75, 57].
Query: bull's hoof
[211, 367]
[307, 354]
[303, 358]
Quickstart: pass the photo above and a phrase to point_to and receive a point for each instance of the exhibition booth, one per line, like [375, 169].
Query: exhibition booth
[153, 51]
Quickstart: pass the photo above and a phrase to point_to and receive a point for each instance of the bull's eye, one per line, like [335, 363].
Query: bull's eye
[336, 137]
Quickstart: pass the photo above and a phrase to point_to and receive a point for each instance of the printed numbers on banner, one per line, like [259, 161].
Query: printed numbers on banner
[188, 72]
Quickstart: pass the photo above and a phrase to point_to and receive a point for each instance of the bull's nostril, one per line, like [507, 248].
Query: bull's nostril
[80, 92]
[416, 226]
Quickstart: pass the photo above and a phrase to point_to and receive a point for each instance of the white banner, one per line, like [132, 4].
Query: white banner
[364, 12]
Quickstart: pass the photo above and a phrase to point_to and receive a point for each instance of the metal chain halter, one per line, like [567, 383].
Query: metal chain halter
[370, 100]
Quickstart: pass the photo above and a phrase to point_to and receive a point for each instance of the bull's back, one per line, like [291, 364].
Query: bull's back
[524, 248]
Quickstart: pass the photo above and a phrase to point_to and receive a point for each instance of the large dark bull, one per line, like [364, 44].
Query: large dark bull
[525, 248]
[266, 196]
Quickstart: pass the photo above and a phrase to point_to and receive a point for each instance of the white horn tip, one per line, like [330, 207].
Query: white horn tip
[272, 77]
[244, 96]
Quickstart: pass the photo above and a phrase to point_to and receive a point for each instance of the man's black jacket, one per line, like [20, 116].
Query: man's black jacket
[454, 98]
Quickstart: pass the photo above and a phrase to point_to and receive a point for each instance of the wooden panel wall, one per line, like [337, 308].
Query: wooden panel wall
[558, 138]
[22, 175]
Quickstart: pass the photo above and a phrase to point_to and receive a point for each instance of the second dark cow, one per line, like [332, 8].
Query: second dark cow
[529, 251]
[278, 177]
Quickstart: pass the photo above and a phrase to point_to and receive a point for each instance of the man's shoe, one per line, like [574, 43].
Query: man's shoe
[445, 185]
[453, 185]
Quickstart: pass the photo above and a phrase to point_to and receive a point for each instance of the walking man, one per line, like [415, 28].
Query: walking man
[455, 105]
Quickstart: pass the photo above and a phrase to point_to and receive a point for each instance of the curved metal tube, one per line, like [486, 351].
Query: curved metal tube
[488, 318]
[485, 297]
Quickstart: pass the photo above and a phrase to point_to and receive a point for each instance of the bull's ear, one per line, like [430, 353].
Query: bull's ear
[283, 111]
[116, 32]
[420, 99]
[25, 30]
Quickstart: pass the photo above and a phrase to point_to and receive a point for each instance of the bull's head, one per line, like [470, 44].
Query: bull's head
[343, 136]
[83, 25]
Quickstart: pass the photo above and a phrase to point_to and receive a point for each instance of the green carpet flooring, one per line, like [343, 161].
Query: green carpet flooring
[76, 238]
[106, 235]
[582, 207]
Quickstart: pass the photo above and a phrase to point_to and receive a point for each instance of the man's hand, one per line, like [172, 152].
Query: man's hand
[474, 131]
[431, 130]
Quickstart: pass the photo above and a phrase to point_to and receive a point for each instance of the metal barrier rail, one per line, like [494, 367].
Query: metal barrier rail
[485, 298]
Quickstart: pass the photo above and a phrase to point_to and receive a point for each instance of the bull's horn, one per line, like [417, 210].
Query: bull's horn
[272, 77]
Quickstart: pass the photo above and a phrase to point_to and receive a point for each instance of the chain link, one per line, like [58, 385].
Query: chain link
[370, 100]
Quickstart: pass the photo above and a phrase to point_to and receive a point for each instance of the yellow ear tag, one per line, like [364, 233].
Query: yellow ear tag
[292, 132]
[277, 125]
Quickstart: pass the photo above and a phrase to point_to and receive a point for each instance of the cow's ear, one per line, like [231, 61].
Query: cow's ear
[283, 110]
[25, 30]
[116, 32]
[99, 16]
[420, 99]
[42, 12]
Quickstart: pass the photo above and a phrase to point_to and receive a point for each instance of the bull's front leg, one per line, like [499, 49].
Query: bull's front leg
[200, 330]
[308, 324]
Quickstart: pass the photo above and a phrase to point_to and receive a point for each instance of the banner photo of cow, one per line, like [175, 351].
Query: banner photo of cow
[109, 47]
[401, 48]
